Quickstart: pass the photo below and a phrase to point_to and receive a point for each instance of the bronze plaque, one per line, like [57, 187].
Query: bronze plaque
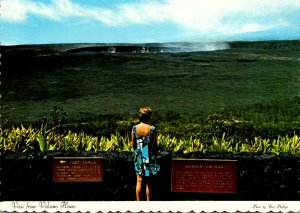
[77, 169]
[203, 175]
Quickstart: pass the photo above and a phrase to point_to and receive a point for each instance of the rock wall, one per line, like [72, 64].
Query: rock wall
[259, 177]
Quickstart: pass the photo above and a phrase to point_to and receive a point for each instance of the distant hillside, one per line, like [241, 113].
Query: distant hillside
[268, 45]
[88, 48]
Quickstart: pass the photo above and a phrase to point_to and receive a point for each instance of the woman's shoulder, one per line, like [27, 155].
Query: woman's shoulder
[143, 125]
[152, 128]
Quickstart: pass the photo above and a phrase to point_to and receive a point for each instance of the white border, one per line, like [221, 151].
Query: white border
[154, 206]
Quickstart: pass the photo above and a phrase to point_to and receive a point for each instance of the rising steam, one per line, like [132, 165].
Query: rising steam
[194, 47]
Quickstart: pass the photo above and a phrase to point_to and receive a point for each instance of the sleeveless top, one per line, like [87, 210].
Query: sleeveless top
[145, 160]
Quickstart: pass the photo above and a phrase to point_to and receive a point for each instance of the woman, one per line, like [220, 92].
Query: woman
[144, 141]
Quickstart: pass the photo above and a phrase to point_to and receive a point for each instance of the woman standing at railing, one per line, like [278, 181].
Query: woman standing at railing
[144, 141]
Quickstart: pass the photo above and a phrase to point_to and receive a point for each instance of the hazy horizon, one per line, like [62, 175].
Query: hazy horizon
[147, 43]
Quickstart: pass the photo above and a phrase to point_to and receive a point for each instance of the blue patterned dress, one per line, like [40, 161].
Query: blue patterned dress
[145, 162]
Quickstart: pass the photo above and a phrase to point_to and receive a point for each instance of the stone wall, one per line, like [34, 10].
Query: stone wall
[259, 177]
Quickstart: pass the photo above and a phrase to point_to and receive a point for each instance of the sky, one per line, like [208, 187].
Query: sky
[147, 21]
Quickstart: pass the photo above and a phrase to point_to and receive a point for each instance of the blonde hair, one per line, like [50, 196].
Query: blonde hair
[145, 114]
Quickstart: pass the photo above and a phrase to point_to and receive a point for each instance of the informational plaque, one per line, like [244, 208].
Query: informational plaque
[77, 169]
[203, 175]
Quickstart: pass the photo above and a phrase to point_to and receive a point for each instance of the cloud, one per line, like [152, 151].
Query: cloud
[231, 16]
[13, 11]
[194, 16]
[58, 10]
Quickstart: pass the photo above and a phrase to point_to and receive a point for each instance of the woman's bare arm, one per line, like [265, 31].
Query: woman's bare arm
[155, 139]
[132, 138]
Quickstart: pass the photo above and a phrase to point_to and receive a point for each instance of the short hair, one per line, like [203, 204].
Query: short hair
[145, 114]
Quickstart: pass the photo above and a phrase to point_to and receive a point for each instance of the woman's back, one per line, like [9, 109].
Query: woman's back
[143, 130]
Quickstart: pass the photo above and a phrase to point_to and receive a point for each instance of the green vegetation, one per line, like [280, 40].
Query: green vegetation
[31, 140]
[104, 84]
[242, 99]
[258, 128]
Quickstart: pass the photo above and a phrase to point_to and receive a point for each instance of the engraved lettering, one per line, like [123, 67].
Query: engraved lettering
[204, 176]
[77, 169]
